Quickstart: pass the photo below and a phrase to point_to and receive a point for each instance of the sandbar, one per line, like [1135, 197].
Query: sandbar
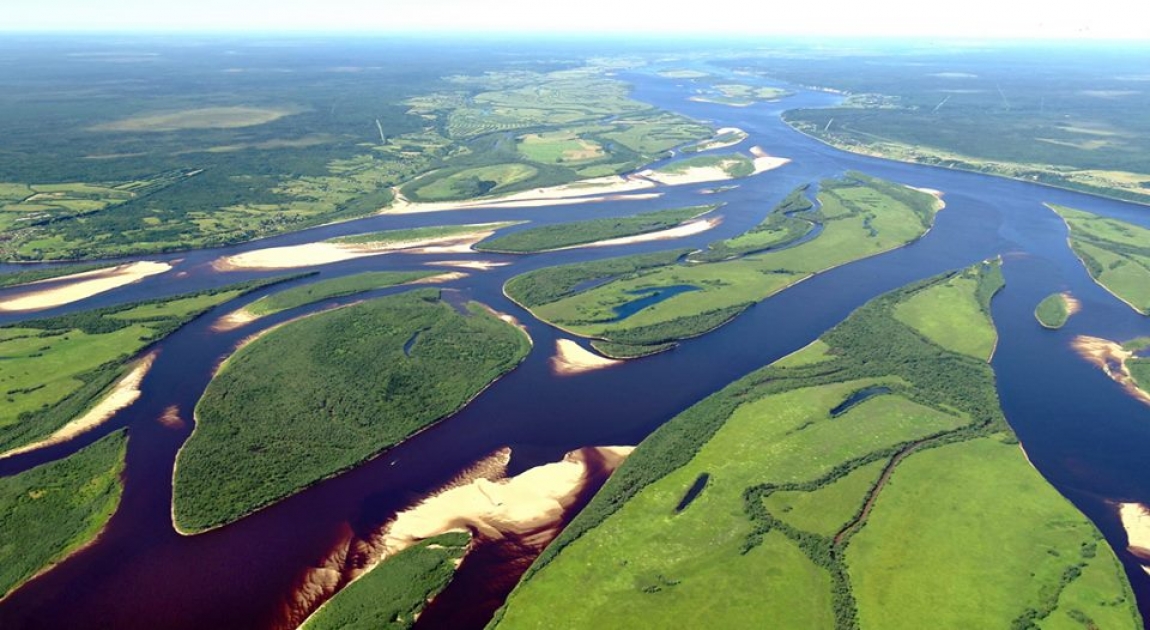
[1136, 522]
[711, 145]
[1111, 357]
[312, 254]
[934, 192]
[123, 393]
[571, 358]
[765, 161]
[530, 503]
[1073, 305]
[476, 265]
[609, 188]
[73, 288]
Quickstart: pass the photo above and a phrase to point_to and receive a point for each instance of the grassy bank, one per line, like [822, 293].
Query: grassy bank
[56, 368]
[869, 481]
[1116, 253]
[323, 394]
[35, 275]
[860, 216]
[551, 237]
[392, 594]
[328, 289]
[50, 511]
[1052, 311]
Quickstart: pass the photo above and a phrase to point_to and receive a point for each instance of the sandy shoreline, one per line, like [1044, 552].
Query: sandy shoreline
[609, 188]
[1073, 305]
[477, 265]
[765, 161]
[73, 288]
[1111, 357]
[312, 254]
[570, 359]
[1136, 522]
[481, 499]
[125, 392]
[712, 144]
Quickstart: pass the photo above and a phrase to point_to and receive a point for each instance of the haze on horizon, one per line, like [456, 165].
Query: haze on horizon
[1100, 19]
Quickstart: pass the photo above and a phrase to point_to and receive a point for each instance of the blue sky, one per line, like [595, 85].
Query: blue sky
[1094, 19]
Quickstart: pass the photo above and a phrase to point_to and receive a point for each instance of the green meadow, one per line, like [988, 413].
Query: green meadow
[57, 368]
[549, 237]
[861, 216]
[1052, 312]
[1116, 253]
[867, 481]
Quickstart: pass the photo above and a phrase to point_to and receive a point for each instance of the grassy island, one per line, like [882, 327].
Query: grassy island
[49, 512]
[56, 368]
[322, 394]
[549, 237]
[1053, 311]
[867, 481]
[328, 289]
[391, 595]
[1116, 253]
[649, 301]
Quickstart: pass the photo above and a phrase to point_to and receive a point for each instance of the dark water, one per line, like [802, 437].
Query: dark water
[651, 297]
[856, 398]
[1079, 428]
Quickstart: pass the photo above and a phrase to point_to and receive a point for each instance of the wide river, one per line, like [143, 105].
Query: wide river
[1079, 428]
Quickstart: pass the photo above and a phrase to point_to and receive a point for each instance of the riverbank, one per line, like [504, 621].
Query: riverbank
[63, 290]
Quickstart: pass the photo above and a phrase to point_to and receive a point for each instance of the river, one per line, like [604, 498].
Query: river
[1081, 431]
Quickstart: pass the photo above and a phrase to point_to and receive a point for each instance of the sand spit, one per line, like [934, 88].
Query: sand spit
[171, 418]
[442, 278]
[312, 254]
[1136, 521]
[233, 320]
[570, 359]
[765, 161]
[577, 192]
[476, 265]
[528, 508]
[1111, 357]
[1073, 305]
[528, 504]
[123, 393]
[934, 192]
[67, 289]
[711, 145]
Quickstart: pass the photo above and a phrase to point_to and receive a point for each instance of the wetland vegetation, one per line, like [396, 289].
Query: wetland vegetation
[56, 368]
[1115, 253]
[859, 216]
[50, 511]
[893, 514]
[550, 237]
[322, 394]
[391, 595]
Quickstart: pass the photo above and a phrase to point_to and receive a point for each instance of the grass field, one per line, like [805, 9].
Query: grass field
[474, 182]
[1116, 253]
[1052, 312]
[391, 595]
[327, 392]
[333, 288]
[559, 147]
[551, 237]
[49, 511]
[780, 536]
[939, 313]
[56, 368]
[417, 234]
[861, 216]
[1140, 370]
